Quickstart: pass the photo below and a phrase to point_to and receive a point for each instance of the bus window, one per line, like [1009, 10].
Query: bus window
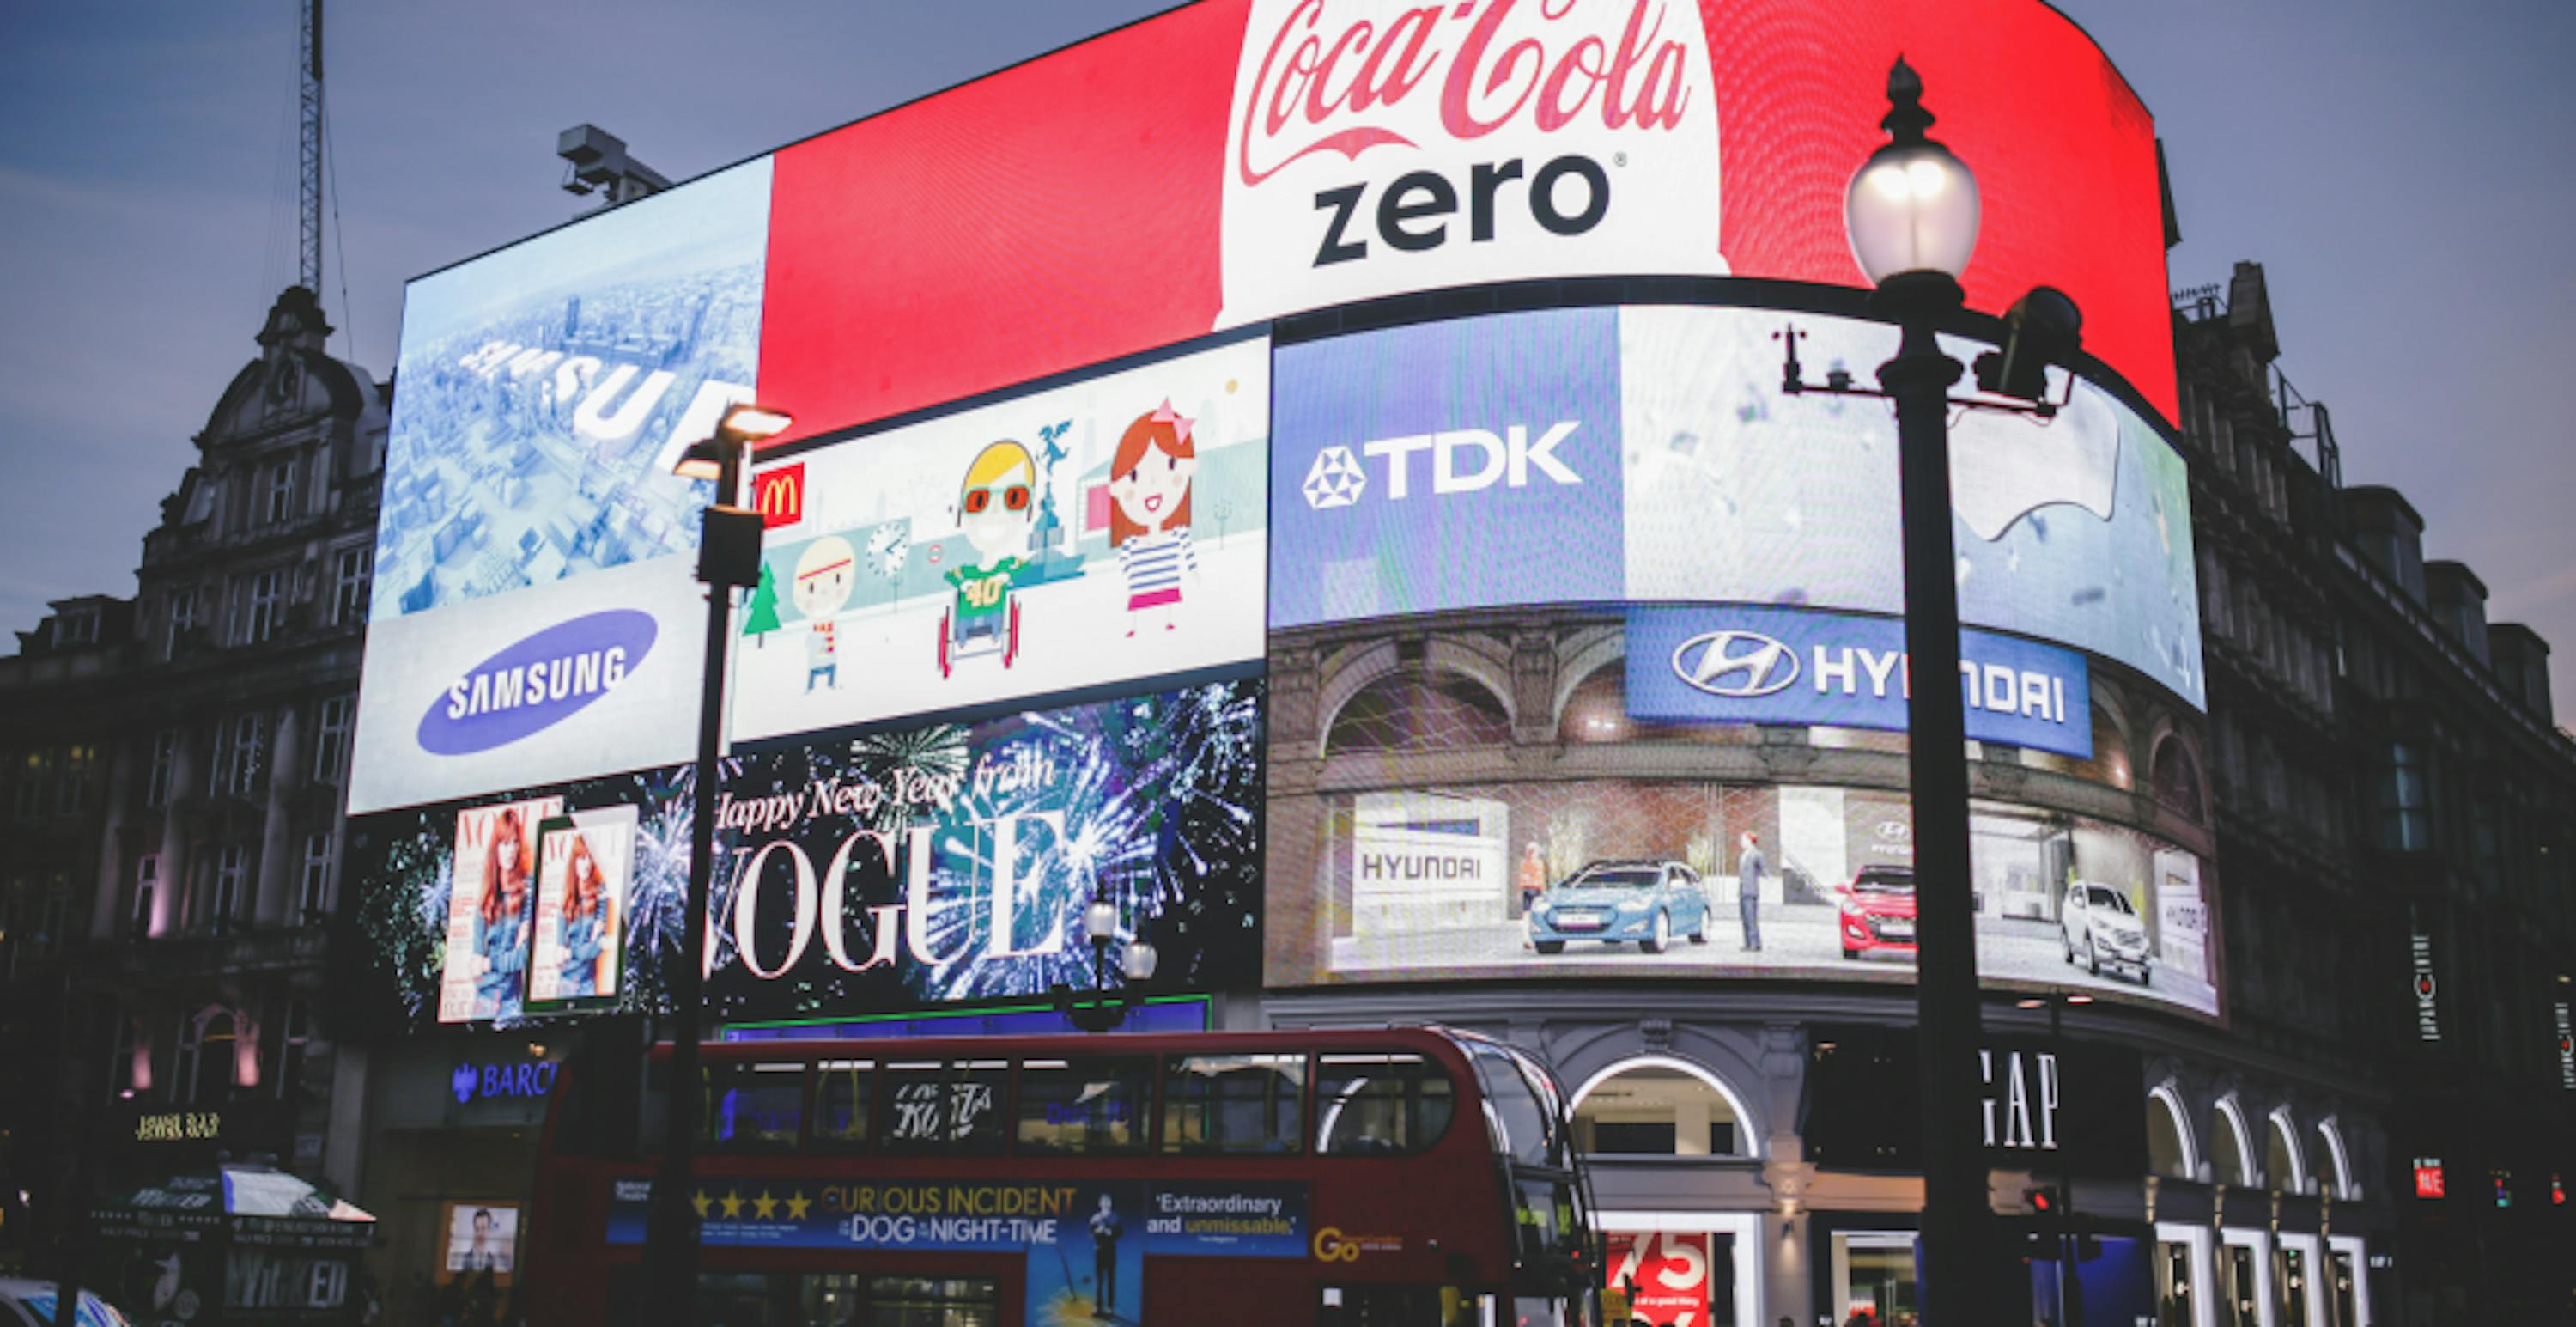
[943, 1105]
[1233, 1103]
[753, 1107]
[841, 1105]
[1517, 1111]
[1379, 1104]
[1087, 1105]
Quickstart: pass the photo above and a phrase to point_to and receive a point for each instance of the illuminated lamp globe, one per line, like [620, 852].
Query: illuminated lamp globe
[1100, 920]
[1139, 961]
[1912, 207]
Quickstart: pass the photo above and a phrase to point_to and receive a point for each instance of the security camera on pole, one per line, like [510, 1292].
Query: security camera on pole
[1912, 212]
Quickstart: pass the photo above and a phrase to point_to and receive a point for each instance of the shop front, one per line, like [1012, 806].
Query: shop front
[455, 1124]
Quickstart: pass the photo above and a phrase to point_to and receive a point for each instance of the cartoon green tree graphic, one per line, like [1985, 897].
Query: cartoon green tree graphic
[761, 618]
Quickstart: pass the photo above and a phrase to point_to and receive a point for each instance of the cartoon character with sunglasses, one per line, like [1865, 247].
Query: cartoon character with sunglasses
[996, 510]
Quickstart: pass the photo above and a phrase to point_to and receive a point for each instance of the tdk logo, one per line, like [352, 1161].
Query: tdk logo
[537, 683]
[1462, 461]
[1739, 665]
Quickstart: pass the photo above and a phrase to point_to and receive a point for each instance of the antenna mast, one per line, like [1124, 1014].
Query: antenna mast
[309, 104]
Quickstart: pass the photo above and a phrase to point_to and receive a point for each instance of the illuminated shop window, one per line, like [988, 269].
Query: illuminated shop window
[1658, 1107]
[1415, 712]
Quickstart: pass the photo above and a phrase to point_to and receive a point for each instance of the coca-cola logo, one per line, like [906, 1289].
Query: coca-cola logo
[1490, 63]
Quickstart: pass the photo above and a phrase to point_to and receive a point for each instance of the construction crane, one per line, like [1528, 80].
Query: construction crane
[309, 144]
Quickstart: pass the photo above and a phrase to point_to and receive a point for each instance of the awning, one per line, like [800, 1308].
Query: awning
[244, 1204]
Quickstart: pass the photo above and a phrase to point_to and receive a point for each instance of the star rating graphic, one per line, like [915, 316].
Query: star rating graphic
[763, 1207]
[1335, 480]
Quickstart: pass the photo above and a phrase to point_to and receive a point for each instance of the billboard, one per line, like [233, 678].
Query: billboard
[584, 863]
[567, 680]
[1262, 157]
[1085, 534]
[894, 869]
[1791, 667]
[548, 388]
[1648, 454]
[1592, 878]
[423, 951]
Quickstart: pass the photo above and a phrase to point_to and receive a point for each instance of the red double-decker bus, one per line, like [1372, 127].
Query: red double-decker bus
[1415, 1176]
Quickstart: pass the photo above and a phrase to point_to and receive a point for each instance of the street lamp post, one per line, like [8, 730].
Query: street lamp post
[728, 560]
[1912, 212]
[1098, 1010]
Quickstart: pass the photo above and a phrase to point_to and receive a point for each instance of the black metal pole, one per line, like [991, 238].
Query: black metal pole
[671, 1234]
[2070, 1290]
[85, 1139]
[1956, 1289]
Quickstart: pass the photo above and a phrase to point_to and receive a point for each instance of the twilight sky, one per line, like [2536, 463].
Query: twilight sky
[2389, 163]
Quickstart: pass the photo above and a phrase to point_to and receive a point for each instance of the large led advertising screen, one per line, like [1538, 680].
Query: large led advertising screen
[548, 388]
[1235, 160]
[1591, 878]
[1085, 534]
[874, 870]
[1648, 454]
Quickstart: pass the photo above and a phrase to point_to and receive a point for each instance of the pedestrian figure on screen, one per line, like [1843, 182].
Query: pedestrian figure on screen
[1749, 870]
[1105, 1229]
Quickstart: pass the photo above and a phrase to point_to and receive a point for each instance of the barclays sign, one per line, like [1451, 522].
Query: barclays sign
[1791, 666]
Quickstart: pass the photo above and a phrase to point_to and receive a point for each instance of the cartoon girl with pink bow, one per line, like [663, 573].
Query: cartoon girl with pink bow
[1149, 520]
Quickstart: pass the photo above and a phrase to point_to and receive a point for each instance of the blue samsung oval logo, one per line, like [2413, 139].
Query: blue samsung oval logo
[537, 683]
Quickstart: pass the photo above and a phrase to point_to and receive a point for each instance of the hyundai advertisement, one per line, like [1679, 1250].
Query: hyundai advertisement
[1787, 667]
[1597, 878]
[1108, 530]
[1649, 454]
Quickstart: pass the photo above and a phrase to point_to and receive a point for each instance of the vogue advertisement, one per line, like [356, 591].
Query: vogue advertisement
[1648, 454]
[896, 869]
[1634, 877]
[1095, 533]
[489, 910]
[418, 957]
[584, 862]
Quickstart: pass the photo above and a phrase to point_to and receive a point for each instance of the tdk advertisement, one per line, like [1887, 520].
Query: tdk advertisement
[1785, 666]
[1467, 464]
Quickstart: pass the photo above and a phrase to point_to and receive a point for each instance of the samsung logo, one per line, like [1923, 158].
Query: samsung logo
[1739, 665]
[537, 683]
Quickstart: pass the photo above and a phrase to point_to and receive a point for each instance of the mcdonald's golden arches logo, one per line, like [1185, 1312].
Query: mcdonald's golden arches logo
[779, 495]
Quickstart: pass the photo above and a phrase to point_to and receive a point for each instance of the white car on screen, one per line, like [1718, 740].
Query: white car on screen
[2099, 927]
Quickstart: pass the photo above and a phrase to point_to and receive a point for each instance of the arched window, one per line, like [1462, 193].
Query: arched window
[2177, 778]
[206, 1052]
[2336, 1163]
[2169, 1149]
[1656, 1105]
[1597, 711]
[1418, 711]
[2286, 1170]
[2228, 1145]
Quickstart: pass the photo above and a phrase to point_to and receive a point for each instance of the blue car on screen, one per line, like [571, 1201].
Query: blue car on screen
[1614, 902]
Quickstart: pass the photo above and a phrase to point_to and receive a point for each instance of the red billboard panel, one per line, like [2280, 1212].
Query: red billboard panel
[1236, 160]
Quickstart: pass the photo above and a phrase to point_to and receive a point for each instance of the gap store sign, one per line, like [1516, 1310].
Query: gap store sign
[1783, 666]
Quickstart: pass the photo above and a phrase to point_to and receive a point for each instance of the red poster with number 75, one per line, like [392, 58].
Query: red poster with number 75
[1671, 1275]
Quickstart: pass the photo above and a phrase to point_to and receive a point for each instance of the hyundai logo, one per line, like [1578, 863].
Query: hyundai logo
[1895, 831]
[1739, 665]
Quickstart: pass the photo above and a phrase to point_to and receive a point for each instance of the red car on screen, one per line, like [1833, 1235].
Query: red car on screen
[1876, 912]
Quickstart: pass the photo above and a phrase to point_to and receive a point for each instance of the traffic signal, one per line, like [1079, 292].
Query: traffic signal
[2042, 1199]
